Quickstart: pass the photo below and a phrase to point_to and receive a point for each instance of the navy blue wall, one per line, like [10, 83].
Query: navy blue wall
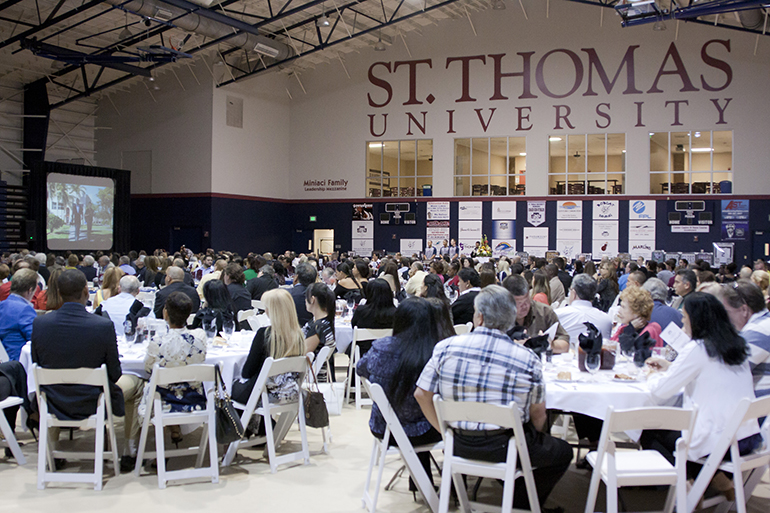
[244, 224]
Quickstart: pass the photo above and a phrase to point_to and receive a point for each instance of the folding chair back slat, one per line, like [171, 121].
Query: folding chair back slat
[198, 372]
[675, 419]
[245, 314]
[361, 335]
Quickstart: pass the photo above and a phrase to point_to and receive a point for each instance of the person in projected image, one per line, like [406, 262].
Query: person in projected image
[78, 218]
[89, 217]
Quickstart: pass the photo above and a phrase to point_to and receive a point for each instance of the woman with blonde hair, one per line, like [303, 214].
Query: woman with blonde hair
[762, 280]
[282, 339]
[110, 282]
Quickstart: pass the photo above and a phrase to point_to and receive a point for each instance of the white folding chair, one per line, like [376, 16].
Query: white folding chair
[7, 430]
[317, 364]
[190, 319]
[245, 314]
[461, 329]
[645, 467]
[287, 413]
[747, 470]
[98, 421]
[258, 321]
[163, 376]
[361, 335]
[257, 305]
[403, 447]
[507, 417]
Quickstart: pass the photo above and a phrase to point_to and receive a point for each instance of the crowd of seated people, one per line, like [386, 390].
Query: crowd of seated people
[508, 300]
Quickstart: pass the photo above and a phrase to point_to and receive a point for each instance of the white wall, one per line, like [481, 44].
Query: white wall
[175, 124]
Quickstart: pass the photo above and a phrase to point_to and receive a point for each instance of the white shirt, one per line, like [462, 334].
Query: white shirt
[573, 316]
[713, 386]
[117, 308]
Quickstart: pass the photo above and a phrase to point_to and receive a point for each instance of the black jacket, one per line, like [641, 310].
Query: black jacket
[462, 308]
[259, 285]
[162, 295]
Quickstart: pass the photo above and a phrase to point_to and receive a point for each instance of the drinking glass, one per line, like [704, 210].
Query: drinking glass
[130, 332]
[228, 327]
[211, 331]
[593, 362]
[451, 294]
[339, 307]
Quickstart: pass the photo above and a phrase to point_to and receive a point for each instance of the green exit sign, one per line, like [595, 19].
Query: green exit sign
[313, 219]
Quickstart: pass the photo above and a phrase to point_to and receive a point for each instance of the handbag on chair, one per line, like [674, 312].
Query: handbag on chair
[229, 427]
[316, 414]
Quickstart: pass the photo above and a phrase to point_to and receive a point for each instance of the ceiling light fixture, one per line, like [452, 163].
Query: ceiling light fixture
[498, 5]
[323, 21]
[701, 150]
[554, 139]
[697, 134]
[522, 154]
[659, 26]
[375, 145]
[380, 46]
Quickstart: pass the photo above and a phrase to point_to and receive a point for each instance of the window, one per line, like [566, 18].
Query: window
[490, 166]
[691, 162]
[399, 168]
[587, 163]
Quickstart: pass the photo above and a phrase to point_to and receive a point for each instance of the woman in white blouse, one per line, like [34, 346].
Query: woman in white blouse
[713, 372]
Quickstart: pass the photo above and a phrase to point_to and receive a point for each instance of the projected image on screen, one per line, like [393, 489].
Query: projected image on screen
[80, 212]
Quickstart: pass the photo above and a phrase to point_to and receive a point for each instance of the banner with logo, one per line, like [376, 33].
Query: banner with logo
[641, 230]
[503, 229]
[363, 247]
[437, 234]
[506, 247]
[536, 241]
[411, 247]
[438, 211]
[640, 248]
[641, 209]
[605, 230]
[606, 209]
[569, 209]
[735, 220]
[536, 212]
[503, 210]
[469, 210]
[569, 249]
[605, 248]
[363, 229]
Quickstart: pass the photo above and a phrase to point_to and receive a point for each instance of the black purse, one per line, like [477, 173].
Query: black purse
[316, 414]
[229, 426]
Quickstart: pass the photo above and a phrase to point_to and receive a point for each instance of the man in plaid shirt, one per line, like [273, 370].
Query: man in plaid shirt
[487, 366]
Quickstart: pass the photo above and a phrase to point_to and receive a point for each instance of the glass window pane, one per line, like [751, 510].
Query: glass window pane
[724, 183]
[374, 169]
[389, 164]
[557, 153]
[517, 155]
[462, 157]
[498, 158]
[680, 151]
[407, 158]
[680, 183]
[616, 153]
[516, 185]
[498, 185]
[480, 157]
[701, 183]
[557, 184]
[425, 158]
[576, 158]
[701, 151]
[462, 186]
[659, 160]
[480, 186]
[659, 183]
[616, 183]
[723, 151]
[596, 161]
[576, 184]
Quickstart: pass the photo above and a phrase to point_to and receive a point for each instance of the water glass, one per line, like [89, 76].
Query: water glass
[128, 329]
[593, 363]
[228, 327]
[339, 307]
[211, 331]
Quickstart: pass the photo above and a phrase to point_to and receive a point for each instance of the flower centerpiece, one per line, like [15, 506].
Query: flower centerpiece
[484, 250]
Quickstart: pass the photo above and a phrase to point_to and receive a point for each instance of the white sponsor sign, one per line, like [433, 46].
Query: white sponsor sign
[641, 230]
[469, 230]
[535, 237]
[694, 228]
[536, 212]
[503, 247]
[641, 209]
[466, 246]
[536, 251]
[503, 229]
[604, 248]
[363, 229]
[640, 248]
[569, 230]
[469, 210]
[605, 230]
[437, 234]
[503, 210]
[363, 247]
[411, 246]
[438, 211]
[569, 249]
[569, 209]
[606, 209]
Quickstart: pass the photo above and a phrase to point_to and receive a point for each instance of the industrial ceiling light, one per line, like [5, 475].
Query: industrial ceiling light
[498, 5]
[125, 33]
[659, 26]
[323, 21]
[380, 46]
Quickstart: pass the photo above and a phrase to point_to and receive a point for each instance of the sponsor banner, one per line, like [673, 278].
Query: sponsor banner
[641, 209]
[363, 229]
[437, 234]
[469, 210]
[466, 246]
[469, 230]
[363, 247]
[438, 210]
[535, 237]
[536, 251]
[505, 247]
[606, 209]
[411, 247]
[362, 212]
[569, 209]
[605, 230]
[641, 230]
[569, 230]
[503, 229]
[735, 209]
[735, 230]
[536, 212]
[436, 224]
[503, 210]
[640, 248]
[690, 228]
[569, 249]
[604, 248]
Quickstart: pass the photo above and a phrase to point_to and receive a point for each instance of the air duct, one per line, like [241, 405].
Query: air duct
[753, 19]
[204, 22]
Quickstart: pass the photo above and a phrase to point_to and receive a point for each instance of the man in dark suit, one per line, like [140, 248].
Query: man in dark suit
[70, 338]
[264, 281]
[306, 276]
[175, 282]
[468, 284]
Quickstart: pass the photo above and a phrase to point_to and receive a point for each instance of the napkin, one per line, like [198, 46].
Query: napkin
[627, 339]
[591, 342]
[538, 344]
[517, 333]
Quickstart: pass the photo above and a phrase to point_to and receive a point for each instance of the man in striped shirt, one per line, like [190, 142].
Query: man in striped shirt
[487, 366]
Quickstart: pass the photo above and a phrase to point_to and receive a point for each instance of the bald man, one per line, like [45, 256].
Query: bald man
[175, 282]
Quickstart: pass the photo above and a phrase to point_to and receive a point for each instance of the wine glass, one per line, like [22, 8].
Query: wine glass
[451, 294]
[227, 328]
[128, 329]
[593, 362]
[339, 307]
[211, 331]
